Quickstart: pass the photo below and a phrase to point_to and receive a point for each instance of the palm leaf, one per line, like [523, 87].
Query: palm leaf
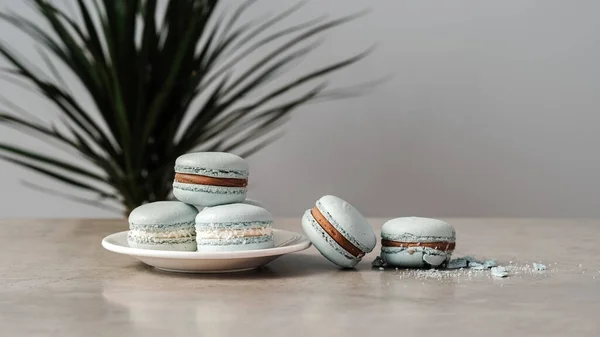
[50, 161]
[60, 177]
[143, 70]
[92, 202]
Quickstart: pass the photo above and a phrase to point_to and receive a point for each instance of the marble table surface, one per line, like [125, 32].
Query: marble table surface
[57, 280]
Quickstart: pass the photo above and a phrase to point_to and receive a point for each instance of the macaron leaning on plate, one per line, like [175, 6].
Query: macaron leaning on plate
[416, 242]
[338, 231]
[234, 227]
[163, 225]
[210, 178]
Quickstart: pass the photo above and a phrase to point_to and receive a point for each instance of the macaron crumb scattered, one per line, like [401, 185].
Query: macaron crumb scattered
[381, 268]
[468, 268]
[499, 272]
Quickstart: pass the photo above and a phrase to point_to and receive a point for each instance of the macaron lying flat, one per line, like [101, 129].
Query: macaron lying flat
[415, 242]
[338, 231]
[163, 225]
[210, 178]
[234, 227]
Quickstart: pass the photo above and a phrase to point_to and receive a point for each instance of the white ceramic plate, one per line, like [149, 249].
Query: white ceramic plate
[214, 262]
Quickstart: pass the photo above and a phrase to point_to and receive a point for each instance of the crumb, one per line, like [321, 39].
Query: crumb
[539, 266]
[580, 264]
[472, 263]
[471, 259]
[381, 268]
[458, 263]
[476, 266]
[490, 263]
[378, 262]
[499, 272]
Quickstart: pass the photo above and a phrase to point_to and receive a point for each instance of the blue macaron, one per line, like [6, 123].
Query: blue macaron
[210, 178]
[234, 227]
[163, 225]
[415, 242]
[338, 231]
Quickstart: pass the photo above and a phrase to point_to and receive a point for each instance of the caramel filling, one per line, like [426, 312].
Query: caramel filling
[443, 246]
[213, 181]
[335, 235]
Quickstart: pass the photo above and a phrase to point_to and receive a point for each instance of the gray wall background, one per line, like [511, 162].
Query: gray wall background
[493, 110]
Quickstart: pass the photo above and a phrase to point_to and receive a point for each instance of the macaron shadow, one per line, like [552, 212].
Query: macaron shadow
[288, 266]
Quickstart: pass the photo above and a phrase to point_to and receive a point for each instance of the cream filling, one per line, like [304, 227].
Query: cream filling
[233, 234]
[180, 233]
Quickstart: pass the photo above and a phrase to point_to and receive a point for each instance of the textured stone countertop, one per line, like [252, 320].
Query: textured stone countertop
[57, 280]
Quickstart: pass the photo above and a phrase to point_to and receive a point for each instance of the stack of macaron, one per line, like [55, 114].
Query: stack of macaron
[344, 236]
[211, 214]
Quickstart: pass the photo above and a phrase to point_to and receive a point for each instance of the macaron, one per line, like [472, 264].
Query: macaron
[163, 225]
[234, 227]
[338, 231]
[210, 178]
[415, 242]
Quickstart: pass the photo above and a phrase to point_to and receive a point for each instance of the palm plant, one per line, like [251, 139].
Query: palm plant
[144, 68]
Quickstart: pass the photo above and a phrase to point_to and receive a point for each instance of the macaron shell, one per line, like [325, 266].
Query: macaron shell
[417, 229]
[348, 221]
[436, 260]
[416, 259]
[213, 164]
[403, 259]
[162, 213]
[203, 195]
[325, 244]
[238, 212]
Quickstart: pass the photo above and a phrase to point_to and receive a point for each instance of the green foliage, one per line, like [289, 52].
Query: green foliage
[143, 75]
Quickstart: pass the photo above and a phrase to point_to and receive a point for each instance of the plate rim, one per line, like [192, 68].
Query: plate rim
[303, 244]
